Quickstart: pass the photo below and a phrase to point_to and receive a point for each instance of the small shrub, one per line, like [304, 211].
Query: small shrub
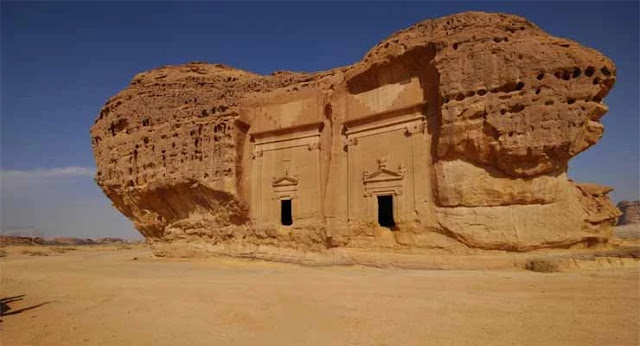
[541, 265]
[3, 253]
[34, 253]
[57, 249]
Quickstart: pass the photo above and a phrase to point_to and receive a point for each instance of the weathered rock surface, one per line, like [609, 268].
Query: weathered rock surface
[467, 121]
[630, 212]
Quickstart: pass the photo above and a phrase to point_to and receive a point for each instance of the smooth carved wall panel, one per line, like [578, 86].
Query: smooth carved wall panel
[286, 115]
[467, 121]
[385, 98]
[381, 161]
[287, 167]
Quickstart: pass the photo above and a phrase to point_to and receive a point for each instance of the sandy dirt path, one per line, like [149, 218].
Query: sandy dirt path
[108, 298]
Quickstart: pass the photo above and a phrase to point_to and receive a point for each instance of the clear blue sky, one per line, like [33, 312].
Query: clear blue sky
[61, 61]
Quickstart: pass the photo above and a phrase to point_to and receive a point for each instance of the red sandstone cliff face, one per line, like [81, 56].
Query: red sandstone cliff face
[505, 105]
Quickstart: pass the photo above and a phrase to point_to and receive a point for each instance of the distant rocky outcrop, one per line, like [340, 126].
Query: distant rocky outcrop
[630, 212]
[71, 241]
[455, 133]
[20, 240]
[109, 240]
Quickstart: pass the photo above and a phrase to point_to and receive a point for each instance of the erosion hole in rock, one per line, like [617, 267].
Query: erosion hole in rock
[589, 71]
[285, 212]
[576, 73]
[385, 211]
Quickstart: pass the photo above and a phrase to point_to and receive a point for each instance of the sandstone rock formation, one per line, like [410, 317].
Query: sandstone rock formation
[109, 240]
[19, 240]
[69, 241]
[630, 212]
[454, 133]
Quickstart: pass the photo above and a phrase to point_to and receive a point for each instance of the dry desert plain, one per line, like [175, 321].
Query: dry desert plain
[106, 295]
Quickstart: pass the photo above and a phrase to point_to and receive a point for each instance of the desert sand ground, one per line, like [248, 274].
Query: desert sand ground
[111, 296]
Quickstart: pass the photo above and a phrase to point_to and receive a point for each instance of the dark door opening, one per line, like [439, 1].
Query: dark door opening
[285, 212]
[385, 211]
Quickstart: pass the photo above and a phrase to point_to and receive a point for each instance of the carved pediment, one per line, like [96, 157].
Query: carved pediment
[383, 173]
[284, 181]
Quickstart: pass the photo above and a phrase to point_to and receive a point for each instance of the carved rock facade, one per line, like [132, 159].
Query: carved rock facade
[454, 133]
